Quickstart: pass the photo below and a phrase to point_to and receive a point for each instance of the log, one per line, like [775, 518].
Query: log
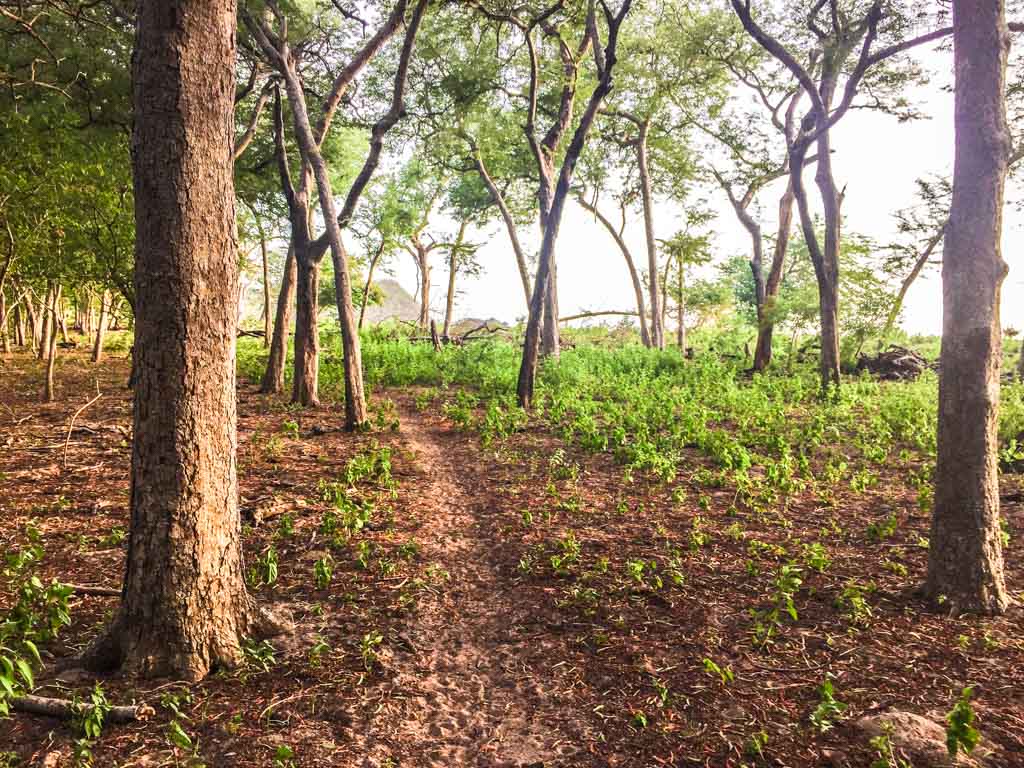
[65, 709]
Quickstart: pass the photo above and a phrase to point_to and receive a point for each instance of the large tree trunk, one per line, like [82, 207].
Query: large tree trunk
[305, 381]
[266, 289]
[765, 320]
[422, 256]
[273, 376]
[184, 607]
[551, 343]
[965, 559]
[101, 328]
[657, 316]
[19, 325]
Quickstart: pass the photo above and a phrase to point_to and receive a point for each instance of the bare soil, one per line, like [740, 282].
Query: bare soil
[489, 653]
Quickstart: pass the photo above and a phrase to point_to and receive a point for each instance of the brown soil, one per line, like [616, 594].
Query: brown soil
[490, 655]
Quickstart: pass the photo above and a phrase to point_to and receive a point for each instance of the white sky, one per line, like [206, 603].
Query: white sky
[876, 158]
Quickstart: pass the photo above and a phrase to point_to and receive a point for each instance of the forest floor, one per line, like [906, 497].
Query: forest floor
[517, 605]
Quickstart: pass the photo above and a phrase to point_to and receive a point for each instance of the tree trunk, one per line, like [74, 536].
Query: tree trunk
[453, 270]
[766, 323]
[965, 559]
[61, 313]
[657, 316]
[551, 345]
[369, 283]
[45, 321]
[915, 271]
[681, 328]
[273, 376]
[50, 344]
[423, 262]
[101, 328]
[638, 288]
[305, 381]
[266, 290]
[510, 224]
[5, 345]
[184, 608]
[19, 325]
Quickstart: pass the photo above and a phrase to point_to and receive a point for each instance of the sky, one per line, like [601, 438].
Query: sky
[876, 158]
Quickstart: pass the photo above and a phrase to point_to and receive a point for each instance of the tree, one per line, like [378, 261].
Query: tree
[184, 606]
[834, 41]
[965, 559]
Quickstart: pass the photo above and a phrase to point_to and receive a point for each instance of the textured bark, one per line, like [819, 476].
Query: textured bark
[184, 607]
[5, 345]
[965, 559]
[19, 326]
[273, 377]
[634, 276]
[306, 374]
[45, 322]
[101, 327]
[266, 289]
[421, 255]
[453, 271]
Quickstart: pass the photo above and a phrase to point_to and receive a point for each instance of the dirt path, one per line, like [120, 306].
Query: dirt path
[464, 694]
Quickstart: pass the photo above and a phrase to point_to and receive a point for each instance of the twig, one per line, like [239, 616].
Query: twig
[71, 426]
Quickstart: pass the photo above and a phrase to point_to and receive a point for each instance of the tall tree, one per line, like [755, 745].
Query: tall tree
[184, 607]
[965, 559]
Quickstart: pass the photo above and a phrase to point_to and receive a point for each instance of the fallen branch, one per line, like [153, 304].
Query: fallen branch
[583, 315]
[65, 709]
[71, 426]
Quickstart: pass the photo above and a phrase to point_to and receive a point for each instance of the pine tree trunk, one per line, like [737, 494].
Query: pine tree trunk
[184, 606]
[965, 559]
[273, 376]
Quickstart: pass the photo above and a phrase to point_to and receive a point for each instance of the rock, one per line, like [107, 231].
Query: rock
[920, 737]
[894, 364]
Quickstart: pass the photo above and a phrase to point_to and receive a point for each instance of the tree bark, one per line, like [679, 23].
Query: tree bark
[5, 344]
[506, 216]
[965, 559]
[306, 375]
[184, 606]
[101, 327]
[19, 326]
[45, 321]
[915, 271]
[266, 289]
[421, 254]
[273, 377]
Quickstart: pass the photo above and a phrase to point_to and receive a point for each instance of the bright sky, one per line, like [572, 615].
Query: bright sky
[876, 158]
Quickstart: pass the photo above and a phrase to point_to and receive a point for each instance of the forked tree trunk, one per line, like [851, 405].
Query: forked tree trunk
[273, 376]
[184, 607]
[453, 270]
[965, 559]
[101, 328]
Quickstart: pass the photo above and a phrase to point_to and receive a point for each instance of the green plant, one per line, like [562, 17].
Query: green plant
[852, 603]
[883, 529]
[756, 744]
[323, 569]
[284, 757]
[829, 710]
[368, 648]
[265, 569]
[290, 428]
[961, 735]
[885, 750]
[259, 655]
[724, 674]
[90, 716]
